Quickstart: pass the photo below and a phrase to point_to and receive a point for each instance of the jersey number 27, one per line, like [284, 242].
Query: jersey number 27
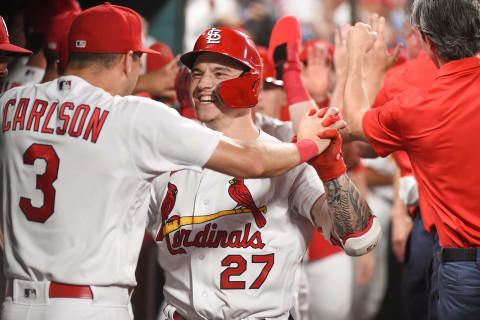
[241, 267]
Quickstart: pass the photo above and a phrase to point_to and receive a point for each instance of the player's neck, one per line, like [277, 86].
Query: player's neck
[38, 60]
[50, 74]
[241, 128]
[100, 78]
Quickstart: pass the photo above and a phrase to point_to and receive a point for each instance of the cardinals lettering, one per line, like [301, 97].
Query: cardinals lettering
[178, 239]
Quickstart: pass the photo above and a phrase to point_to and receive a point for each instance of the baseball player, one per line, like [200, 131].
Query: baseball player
[76, 160]
[7, 50]
[428, 124]
[232, 248]
[57, 30]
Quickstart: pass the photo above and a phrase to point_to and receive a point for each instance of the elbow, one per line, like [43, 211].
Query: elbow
[251, 165]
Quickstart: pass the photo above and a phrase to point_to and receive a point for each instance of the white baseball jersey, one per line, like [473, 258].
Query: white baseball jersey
[76, 166]
[21, 74]
[232, 248]
[282, 130]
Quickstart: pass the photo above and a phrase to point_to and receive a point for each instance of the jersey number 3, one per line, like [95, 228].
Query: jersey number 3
[44, 182]
[239, 269]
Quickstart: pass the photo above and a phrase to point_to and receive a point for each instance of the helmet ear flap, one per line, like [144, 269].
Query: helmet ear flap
[241, 92]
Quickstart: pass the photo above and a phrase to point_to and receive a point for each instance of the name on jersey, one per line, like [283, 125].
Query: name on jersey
[81, 121]
[210, 237]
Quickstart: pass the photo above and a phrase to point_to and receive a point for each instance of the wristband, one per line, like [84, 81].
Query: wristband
[307, 149]
[292, 83]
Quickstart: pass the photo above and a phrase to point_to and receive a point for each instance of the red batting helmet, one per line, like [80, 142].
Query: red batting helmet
[241, 92]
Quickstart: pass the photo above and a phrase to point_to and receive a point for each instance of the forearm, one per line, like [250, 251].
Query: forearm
[142, 84]
[373, 84]
[337, 95]
[255, 159]
[355, 99]
[349, 212]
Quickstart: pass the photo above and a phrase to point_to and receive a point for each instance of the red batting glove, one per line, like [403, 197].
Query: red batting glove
[329, 164]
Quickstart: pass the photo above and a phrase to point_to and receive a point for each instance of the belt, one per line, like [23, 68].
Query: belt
[62, 290]
[177, 316]
[457, 254]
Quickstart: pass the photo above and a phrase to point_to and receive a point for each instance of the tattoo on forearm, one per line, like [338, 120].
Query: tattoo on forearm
[349, 212]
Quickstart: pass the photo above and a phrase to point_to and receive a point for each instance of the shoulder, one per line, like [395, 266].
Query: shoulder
[263, 136]
[282, 130]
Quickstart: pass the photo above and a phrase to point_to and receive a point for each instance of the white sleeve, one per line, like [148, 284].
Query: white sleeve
[157, 190]
[161, 140]
[305, 190]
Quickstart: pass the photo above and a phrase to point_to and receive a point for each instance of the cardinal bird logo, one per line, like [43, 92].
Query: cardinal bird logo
[167, 206]
[240, 193]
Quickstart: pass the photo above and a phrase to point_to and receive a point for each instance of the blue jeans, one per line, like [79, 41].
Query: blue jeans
[418, 291]
[459, 290]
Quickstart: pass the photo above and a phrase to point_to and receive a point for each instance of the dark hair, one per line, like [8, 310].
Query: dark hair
[51, 56]
[453, 26]
[80, 60]
[407, 9]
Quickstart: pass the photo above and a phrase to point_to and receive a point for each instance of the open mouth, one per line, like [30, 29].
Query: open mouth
[206, 99]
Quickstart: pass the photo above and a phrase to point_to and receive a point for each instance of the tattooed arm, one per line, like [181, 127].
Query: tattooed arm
[345, 217]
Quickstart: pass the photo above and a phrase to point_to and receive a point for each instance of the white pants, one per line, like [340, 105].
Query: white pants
[167, 310]
[108, 303]
[330, 287]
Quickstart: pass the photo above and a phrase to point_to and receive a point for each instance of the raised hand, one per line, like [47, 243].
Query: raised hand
[317, 73]
[378, 59]
[317, 121]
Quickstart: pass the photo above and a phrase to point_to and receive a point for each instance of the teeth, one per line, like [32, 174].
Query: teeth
[206, 99]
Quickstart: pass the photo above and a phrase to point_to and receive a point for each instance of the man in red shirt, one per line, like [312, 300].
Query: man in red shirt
[417, 286]
[436, 126]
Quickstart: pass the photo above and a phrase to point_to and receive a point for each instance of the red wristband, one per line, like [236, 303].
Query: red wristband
[307, 149]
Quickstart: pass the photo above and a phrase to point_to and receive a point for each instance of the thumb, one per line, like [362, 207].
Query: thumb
[173, 63]
[393, 57]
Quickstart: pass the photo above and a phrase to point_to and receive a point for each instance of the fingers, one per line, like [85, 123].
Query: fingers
[174, 62]
[341, 124]
[337, 38]
[393, 57]
[332, 111]
[328, 134]
[321, 112]
[328, 121]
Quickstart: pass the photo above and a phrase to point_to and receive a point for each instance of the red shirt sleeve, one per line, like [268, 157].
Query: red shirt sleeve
[381, 98]
[381, 128]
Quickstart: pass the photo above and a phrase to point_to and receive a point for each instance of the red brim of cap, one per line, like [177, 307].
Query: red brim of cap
[148, 50]
[13, 49]
[286, 30]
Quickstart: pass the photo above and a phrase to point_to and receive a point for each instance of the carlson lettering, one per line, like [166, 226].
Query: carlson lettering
[74, 121]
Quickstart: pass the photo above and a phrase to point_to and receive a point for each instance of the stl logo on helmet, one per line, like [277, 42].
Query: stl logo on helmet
[213, 36]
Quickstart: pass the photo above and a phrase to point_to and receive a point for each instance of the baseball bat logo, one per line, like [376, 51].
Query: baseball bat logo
[213, 36]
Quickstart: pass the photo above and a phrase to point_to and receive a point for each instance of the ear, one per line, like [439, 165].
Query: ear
[126, 62]
[431, 50]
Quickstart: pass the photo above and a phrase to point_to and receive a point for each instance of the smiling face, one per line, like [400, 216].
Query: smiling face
[208, 71]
